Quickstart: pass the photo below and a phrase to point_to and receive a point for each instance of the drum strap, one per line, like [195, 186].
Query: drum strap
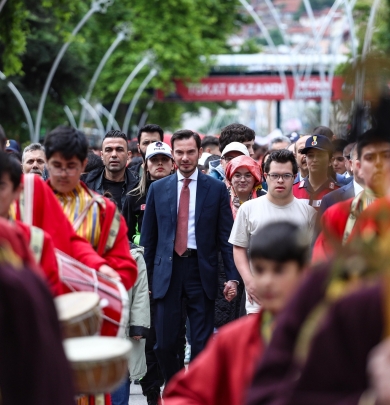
[36, 242]
[116, 221]
[359, 203]
[84, 213]
[26, 200]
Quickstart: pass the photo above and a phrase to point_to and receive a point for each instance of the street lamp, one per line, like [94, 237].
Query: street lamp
[123, 34]
[135, 99]
[146, 59]
[96, 6]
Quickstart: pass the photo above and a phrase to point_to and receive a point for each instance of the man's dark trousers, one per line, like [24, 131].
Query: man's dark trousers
[185, 285]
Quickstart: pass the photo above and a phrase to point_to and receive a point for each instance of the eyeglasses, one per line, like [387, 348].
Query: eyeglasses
[246, 176]
[57, 171]
[339, 159]
[275, 177]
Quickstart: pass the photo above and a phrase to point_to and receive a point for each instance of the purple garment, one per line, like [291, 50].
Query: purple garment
[33, 366]
[335, 370]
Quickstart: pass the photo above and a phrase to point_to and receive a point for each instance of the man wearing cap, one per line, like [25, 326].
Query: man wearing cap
[12, 147]
[301, 158]
[318, 150]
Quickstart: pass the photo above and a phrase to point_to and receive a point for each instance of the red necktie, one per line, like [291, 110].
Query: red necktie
[182, 219]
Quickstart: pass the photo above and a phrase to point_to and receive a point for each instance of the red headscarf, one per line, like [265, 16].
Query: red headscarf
[243, 161]
[253, 167]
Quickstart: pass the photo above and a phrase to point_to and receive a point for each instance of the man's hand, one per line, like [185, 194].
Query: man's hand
[136, 337]
[230, 290]
[108, 271]
[251, 291]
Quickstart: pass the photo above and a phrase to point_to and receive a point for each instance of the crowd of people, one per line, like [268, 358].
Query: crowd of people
[262, 269]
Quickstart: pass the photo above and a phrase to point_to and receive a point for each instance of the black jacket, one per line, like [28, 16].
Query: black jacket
[94, 181]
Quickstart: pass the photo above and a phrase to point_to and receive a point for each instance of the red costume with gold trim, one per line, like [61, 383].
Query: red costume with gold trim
[48, 260]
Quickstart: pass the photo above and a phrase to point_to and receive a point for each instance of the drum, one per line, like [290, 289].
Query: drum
[114, 301]
[99, 364]
[79, 314]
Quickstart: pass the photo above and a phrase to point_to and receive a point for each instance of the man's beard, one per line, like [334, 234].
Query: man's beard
[142, 155]
[37, 171]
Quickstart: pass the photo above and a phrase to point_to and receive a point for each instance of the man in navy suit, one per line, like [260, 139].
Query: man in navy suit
[187, 220]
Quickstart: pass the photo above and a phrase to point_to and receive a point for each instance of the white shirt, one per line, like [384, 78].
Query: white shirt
[191, 244]
[357, 187]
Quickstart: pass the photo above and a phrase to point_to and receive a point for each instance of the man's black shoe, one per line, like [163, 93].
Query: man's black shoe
[152, 397]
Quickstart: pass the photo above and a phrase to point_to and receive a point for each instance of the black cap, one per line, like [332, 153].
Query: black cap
[319, 142]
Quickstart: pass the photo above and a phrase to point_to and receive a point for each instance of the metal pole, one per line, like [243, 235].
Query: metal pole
[119, 38]
[123, 89]
[70, 116]
[22, 103]
[278, 114]
[97, 5]
[134, 101]
[94, 115]
[107, 114]
[2, 4]
[145, 114]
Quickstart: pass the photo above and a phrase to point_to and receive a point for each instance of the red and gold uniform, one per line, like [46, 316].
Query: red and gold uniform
[304, 191]
[97, 219]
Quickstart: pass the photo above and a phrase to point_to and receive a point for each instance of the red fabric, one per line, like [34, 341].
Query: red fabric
[300, 191]
[12, 235]
[333, 223]
[48, 215]
[374, 219]
[223, 371]
[182, 219]
[243, 161]
[48, 261]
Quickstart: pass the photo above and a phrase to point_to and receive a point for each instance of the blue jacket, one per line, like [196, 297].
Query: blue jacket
[213, 224]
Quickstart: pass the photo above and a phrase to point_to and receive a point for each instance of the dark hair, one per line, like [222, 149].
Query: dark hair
[281, 242]
[186, 134]
[3, 138]
[8, 164]
[114, 133]
[210, 140]
[281, 156]
[68, 141]
[235, 133]
[339, 145]
[133, 147]
[94, 162]
[370, 137]
[149, 128]
[325, 131]
[210, 159]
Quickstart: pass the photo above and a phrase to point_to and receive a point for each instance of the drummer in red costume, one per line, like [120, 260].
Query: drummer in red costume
[338, 221]
[318, 150]
[94, 218]
[40, 242]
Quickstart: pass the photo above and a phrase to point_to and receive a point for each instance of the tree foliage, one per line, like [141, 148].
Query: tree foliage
[182, 34]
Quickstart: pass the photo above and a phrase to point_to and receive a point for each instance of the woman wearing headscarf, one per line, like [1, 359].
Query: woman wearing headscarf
[243, 176]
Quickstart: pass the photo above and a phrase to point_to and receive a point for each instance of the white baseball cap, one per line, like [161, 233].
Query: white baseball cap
[158, 148]
[235, 147]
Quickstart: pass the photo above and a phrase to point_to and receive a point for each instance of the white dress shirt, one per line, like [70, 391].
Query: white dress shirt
[357, 187]
[191, 244]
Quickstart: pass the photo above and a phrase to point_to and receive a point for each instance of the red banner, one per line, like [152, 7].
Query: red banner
[223, 88]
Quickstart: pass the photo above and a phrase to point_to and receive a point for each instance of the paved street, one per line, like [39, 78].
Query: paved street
[136, 397]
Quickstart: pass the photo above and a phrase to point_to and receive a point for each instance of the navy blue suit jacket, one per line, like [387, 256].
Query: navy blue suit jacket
[342, 194]
[213, 224]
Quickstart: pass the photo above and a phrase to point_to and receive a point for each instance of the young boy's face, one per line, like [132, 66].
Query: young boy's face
[275, 282]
